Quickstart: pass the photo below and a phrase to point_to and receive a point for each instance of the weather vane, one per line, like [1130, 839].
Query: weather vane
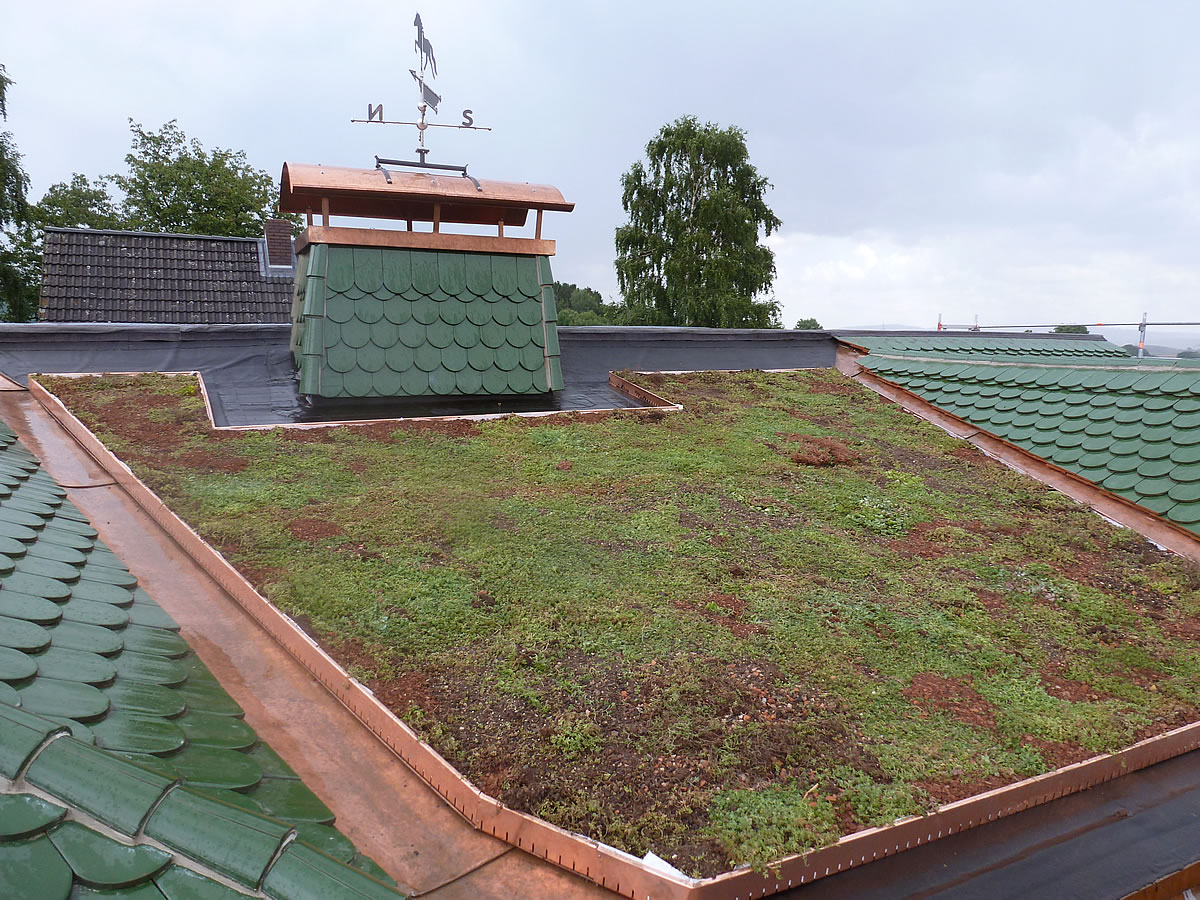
[428, 100]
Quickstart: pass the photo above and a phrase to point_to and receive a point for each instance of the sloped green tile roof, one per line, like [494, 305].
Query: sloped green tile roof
[105, 709]
[989, 346]
[1133, 430]
[381, 322]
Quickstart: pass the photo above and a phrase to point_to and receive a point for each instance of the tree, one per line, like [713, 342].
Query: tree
[1189, 354]
[174, 184]
[16, 297]
[1070, 329]
[584, 306]
[690, 252]
[1130, 349]
[808, 325]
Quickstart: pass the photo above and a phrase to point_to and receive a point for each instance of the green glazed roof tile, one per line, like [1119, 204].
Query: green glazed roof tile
[38, 585]
[152, 699]
[179, 883]
[116, 791]
[16, 665]
[21, 734]
[65, 699]
[149, 668]
[21, 635]
[291, 800]
[24, 815]
[211, 730]
[215, 768]
[328, 840]
[131, 732]
[33, 870]
[101, 862]
[93, 612]
[32, 609]
[233, 841]
[302, 873]
[97, 639]
[103, 593]
[151, 616]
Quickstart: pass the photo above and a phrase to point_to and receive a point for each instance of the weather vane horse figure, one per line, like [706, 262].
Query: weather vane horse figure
[424, 48]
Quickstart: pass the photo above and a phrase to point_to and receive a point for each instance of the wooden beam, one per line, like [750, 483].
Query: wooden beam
[537, 233]
[325, 211]
[500, 229]
[422, 240]
[437, 217]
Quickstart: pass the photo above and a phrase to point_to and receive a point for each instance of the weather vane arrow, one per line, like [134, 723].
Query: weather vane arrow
[428, 101]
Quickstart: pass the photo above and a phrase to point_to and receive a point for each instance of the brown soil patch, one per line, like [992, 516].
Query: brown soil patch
[1057, 685]
[732, 617]
[1057, 754]
[954, 791]
[313, 529]
[931, 691]
[819, 451]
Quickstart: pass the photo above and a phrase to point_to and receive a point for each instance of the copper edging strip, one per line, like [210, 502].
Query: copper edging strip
[637, 392]
[599, 863]
[422, 240]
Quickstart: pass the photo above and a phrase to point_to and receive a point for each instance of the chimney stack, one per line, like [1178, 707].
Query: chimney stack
[279, 242]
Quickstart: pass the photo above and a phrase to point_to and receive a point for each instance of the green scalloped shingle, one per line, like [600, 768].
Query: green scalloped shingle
[384, 312]
[1136, 433]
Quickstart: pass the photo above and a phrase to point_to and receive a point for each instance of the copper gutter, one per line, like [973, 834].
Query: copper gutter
[607, 866]
[1150, 525]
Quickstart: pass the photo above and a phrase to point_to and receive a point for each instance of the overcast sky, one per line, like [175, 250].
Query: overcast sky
[1022, 162]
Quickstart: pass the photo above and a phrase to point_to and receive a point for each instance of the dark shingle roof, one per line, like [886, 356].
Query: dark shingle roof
[128, 276]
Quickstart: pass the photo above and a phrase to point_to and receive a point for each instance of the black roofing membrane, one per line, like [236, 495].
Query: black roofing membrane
[251, 380]
[1102, 843]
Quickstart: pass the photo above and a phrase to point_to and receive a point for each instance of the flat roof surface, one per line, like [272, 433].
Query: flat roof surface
[250, 377]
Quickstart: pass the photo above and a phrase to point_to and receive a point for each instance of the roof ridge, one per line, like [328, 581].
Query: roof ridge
[167, 234]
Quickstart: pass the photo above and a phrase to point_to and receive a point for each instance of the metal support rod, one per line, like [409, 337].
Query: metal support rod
[1142, 338]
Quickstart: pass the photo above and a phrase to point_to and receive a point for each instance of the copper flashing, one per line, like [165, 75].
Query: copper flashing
[604, 865]
[422, 240]
[370, 193]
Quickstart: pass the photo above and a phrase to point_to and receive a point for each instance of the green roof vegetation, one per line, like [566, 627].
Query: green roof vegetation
[785, 613]
[106, 709]
[373, 322]
[1132, 430]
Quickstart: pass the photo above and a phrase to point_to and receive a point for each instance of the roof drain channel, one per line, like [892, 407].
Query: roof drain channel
[283, 845]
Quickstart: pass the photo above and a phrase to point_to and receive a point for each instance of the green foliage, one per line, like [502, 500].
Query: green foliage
[1187, 354]
[584, 306]
[1070, 329]
[174, 184]
[759, 827]
[808, 324]
[15, 293]
[690, 253]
